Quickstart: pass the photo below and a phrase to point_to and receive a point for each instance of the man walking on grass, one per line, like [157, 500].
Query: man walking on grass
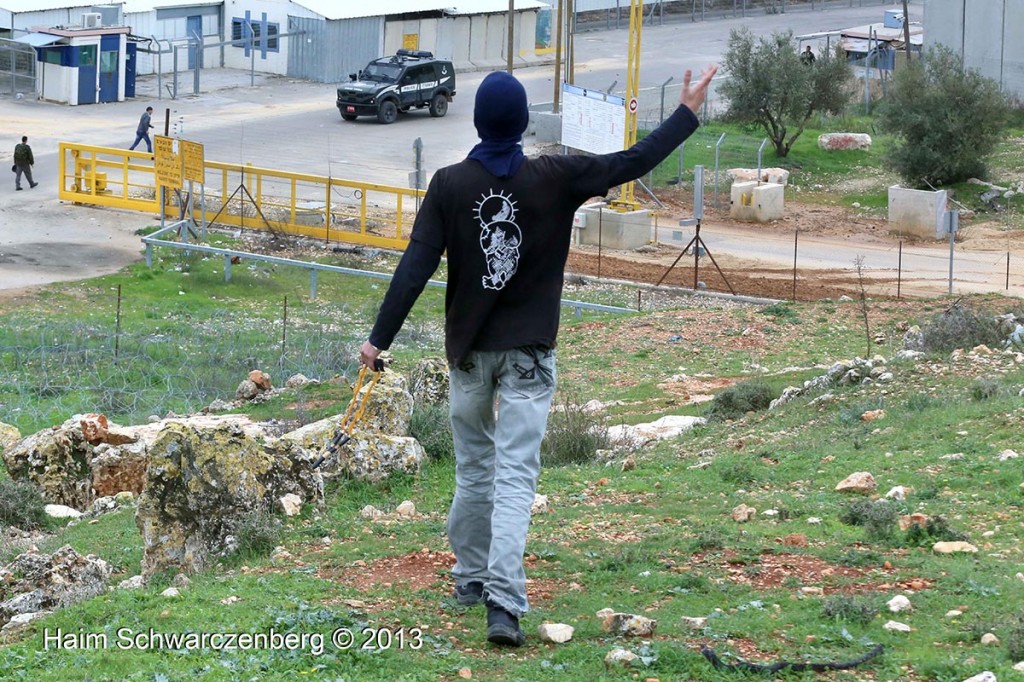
[505, 221]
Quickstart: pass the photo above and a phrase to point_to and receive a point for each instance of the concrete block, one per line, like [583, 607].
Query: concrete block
[918, 213]
[757, 203]
[611, 229]
[547, 126]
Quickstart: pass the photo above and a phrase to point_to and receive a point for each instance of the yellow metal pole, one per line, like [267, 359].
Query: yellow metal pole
[626, 200]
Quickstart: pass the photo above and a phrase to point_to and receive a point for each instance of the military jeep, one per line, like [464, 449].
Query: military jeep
[411, 79]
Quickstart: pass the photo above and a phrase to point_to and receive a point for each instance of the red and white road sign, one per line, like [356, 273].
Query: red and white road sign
[633, 104]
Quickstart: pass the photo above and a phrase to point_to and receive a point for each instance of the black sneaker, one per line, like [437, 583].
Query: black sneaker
[470, 594]
[32, 186]
[503, 627]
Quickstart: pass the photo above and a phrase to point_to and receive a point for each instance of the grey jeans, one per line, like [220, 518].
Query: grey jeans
[497, 462]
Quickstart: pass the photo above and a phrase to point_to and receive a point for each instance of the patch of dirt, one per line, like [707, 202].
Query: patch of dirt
[773, 571]
[422, 570]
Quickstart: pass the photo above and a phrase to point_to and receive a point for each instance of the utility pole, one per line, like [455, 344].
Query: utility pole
[906, 29]
[558, 57]
[511, 31]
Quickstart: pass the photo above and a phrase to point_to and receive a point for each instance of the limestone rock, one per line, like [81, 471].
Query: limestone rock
[898, 493]
[778, 176]
[406, 510]
[666, 427]
[954, 613]
[9, 435]
[559, 633]
[201, 483]
[261, 379]
[957, 547]
[916, 519]
[604, 613]
[1007, 455]
[59, 511]
[119, 468]
[370, 512]
[171, 592]
[297, 381]
[36, 582]
[694, 623]
[389, 409]
[247, 390]
[428, 381]
[291, 504]
[989, 639]
[133, 583]
[96, 429]
[743, 513]
[620, 658]
[861, 482]
[872, 415]
[896, 626]
[834, 141]
[899, 603]
[986, 676]
[629, 624]
[539, 505]
[18, 624]
[57, 461]
[789, 394]
[1019, 667]
[628, 464]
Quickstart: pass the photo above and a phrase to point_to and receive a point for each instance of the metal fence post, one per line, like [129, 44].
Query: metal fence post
[664, 85]
[952, 223]
[760, 153]
[717, 146]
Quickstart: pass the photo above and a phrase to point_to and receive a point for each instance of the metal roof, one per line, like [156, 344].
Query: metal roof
[355, 9]
[20, 6]
[39, 39]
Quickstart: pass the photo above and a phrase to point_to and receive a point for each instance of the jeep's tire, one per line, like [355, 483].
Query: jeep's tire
[439, 105]
[349, 117]
[387, 112]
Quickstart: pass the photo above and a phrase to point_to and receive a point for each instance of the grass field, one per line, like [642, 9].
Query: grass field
[807, 579]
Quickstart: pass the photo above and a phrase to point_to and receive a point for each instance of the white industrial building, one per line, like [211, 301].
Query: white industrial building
[321, 40]
[987, 34]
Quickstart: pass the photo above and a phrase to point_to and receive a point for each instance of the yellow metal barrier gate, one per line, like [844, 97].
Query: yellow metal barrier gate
[279, 201]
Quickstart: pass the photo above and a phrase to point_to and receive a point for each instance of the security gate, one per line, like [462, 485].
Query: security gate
[17, 69]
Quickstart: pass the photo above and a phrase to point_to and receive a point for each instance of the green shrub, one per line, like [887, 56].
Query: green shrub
[849, 608]
[985, 388]
[878, 518]
[1015, 639]
[739, 399]
[574, 435]
[21, 505]
[431, 426]
[936, 143]
[257, 533]
[936, 529]
[960, 326]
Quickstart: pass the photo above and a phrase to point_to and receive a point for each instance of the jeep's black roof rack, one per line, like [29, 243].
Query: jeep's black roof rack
[416, 54]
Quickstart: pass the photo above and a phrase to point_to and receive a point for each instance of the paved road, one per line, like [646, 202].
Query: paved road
[293, 125]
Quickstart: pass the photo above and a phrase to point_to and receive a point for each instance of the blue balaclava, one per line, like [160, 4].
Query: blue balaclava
[500, 117]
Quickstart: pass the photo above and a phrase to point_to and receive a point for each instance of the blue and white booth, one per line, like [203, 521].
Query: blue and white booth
[83, 65]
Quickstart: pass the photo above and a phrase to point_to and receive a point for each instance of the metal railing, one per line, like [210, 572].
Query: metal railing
[333, 209]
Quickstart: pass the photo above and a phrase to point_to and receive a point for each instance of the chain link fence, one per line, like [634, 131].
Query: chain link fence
[17, 69]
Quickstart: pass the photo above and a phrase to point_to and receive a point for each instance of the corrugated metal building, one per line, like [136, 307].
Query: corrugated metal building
[988, 34]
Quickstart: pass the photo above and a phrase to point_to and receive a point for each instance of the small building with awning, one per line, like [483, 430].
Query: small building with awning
[80, 65]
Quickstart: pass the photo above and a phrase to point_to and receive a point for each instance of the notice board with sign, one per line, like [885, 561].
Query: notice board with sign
[592, 121]
[167, 162]
[193, 162]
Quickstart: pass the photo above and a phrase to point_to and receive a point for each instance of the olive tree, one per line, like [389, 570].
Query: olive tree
[946, 119]
[769, 87]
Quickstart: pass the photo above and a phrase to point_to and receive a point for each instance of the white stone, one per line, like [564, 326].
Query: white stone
[743, 513]
[604, 613]
[954, 548]
[133, 583]
[989, 639]
[896, 626]
[694, 622]
[60, 511]
[540, 504]
[954, 613]
[19, 622]
[370, 512]
[897, 493]
[834, 141]
[620, 657]
[1007, 454]
[406, 509]
[814, 521]
[899, 603]
[982, 677]
[859, 482]
[559, 633]
[171, 592]
[1019, 667]
[666, 427]
[291, 504]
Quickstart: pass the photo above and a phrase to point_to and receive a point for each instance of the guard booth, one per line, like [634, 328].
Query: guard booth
[82, 65]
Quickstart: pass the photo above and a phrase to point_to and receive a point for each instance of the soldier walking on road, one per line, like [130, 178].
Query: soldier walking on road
[23, 162]
[143, 132]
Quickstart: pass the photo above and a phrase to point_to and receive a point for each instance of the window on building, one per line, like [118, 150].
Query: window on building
[240, 34]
